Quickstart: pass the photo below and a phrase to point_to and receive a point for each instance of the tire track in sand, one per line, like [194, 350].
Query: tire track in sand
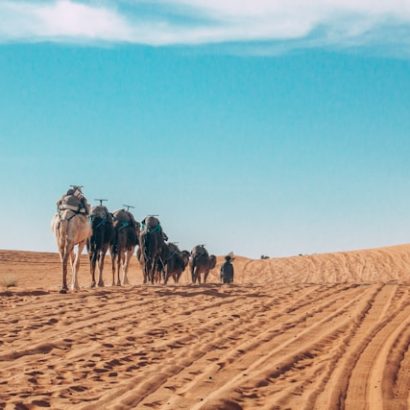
[183, 363]
[192, 312]
[259, 384]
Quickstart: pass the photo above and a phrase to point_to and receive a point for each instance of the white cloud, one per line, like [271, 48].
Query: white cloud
[190, 22]
[59, 20]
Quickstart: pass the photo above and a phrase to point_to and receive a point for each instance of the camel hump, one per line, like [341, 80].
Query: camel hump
[101, 211]
[123, 215]
[200, 250]
[151, 222]
[173, 248]
[124, 219]
[70, 202]
[212, 261]
[74, 200]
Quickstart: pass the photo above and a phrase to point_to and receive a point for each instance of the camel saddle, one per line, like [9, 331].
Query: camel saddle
[200, 250]
[123, 216]
[72, 203]
[151, 224]
[124, 219]
[101, 212]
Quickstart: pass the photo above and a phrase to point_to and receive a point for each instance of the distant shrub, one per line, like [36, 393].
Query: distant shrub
[264, 257]
[8, 281]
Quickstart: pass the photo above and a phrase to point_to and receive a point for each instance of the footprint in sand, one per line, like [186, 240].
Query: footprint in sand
[41, 403]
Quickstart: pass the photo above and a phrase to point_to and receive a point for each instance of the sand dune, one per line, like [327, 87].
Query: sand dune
[309, 332]
[384, 264]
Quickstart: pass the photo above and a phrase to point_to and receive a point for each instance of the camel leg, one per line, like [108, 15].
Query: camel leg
[167, 274]
[93, 262]
[74, 284]
[123, 267]
[206, 276]
[129, 254]
[193, 274]
[101, 266]
[125, 280]
[120, 263]
[67, 255]
[113, 261]
[146, 272]
[164, 274]
[149, 271]
[153, 271]
[72, 257]
[64, 262]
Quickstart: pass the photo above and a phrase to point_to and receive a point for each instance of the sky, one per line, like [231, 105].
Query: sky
[258, 127]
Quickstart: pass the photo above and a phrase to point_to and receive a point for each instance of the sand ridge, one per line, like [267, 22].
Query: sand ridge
[309, 332]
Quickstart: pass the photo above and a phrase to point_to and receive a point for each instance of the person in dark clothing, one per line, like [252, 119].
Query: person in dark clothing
[227, 270]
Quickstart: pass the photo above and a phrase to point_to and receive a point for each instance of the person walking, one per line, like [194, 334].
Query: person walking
[227, 270]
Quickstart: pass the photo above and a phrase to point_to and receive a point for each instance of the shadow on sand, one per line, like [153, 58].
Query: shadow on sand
[35, 292]
[209, 289]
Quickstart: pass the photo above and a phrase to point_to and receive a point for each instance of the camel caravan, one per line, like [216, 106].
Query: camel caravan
[77, 225]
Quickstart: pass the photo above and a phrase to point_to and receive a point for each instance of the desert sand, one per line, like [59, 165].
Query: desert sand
[324, 331]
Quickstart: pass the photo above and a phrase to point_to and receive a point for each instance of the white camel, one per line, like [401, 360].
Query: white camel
[70, 229]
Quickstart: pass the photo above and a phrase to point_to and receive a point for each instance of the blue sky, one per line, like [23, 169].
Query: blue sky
[245, 138]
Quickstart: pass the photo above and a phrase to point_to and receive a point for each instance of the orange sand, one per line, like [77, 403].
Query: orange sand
[310, 332]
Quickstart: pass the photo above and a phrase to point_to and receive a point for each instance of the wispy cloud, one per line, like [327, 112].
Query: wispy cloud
[283, 23]
[60, 20]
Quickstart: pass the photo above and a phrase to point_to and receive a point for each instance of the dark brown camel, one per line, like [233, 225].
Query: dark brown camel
[176, 263]
[201, 262]
[151, 245]
[100, 241]
[126, 232]
[160, 266]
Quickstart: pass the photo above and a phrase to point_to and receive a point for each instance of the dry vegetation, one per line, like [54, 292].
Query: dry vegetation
[322, 331]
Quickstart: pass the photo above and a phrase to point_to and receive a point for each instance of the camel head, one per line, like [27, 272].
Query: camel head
[185, 257]
[212, 261]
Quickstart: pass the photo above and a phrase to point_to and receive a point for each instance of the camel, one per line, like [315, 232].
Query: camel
[160, 266]
[126, 232]
[70, 229]
[100, 241]
[201, 262]
[176, 263]
[151, 245]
